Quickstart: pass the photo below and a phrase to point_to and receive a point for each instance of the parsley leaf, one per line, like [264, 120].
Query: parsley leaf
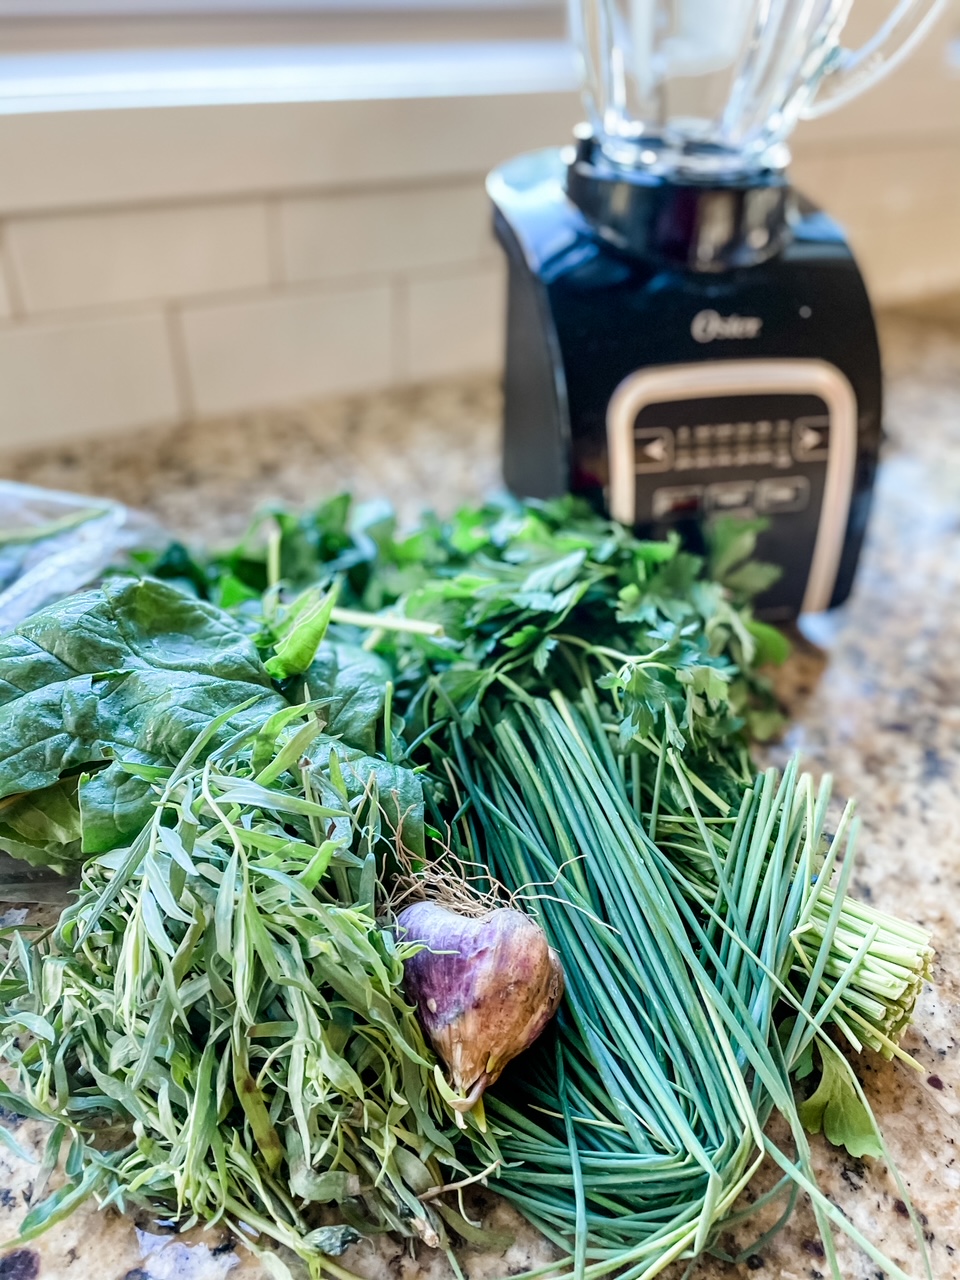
[837, 1109]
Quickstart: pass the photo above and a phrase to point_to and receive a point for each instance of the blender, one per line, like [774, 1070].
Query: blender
[687, 336]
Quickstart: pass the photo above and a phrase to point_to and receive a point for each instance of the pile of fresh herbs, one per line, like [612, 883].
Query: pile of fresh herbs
[250, 746]
[216, 1032]
[539, 599]
[216, 1027]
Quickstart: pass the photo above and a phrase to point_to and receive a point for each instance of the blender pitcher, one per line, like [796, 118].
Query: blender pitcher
[714, 87]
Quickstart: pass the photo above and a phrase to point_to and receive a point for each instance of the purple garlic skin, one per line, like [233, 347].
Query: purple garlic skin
[487, 1001]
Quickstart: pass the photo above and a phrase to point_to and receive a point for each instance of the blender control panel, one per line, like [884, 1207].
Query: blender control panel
[750, 448]
[758, 465]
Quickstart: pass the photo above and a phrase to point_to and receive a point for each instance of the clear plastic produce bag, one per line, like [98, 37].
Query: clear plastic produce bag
[54, 543]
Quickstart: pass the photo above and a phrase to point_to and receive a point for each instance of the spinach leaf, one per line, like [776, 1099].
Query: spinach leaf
[43, 829]
[114, 806]
[134, 669]
[352, 685]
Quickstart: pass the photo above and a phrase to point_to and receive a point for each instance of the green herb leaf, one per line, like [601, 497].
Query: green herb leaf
[299, 645]
[350, 686]
[773, 647]
[43, 828]
[836, 1109]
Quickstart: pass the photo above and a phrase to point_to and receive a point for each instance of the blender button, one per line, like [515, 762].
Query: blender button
[811, 439]
[654, 449]
[680, 500]
[730, 495]
[723, 458]
[783, 493]
[761, 457]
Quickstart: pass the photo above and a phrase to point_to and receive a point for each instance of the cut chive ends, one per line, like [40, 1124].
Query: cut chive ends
[878, 1002]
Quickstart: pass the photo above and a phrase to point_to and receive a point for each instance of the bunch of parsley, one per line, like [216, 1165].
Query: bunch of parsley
[530, 591]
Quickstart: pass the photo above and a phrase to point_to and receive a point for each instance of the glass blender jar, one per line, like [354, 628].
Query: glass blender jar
[714, 87]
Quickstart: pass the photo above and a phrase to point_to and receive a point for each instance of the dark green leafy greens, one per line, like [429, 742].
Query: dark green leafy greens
[125, 675]
[507, 583]
[538, 599]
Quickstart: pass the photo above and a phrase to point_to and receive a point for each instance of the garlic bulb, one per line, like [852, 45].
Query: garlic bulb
[485, 987]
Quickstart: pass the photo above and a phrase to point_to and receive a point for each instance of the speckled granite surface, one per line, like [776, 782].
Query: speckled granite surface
[883, 714]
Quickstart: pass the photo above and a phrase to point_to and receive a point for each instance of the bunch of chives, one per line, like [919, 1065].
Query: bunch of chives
[880, 996]
[629, 1139]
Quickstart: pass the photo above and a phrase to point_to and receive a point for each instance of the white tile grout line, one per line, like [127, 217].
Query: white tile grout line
[181, 365]
[18, 310]
[276, 268]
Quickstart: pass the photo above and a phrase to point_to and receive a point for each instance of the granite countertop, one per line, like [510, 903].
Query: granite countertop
[878, 706]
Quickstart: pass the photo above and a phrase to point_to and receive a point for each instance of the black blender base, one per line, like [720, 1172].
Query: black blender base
[670, 396]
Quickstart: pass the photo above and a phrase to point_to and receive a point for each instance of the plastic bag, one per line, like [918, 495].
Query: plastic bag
[52, 544]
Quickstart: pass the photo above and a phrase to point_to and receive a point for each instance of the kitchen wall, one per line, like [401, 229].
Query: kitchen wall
[163, 264]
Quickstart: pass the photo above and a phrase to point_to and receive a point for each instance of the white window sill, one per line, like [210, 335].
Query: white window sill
[135, 78]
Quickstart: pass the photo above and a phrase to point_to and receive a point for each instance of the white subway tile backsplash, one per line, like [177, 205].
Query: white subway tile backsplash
[67, 380]
[99, 258]
[455, 324]
[302, 294]
[53, 160]
[385, 231]
[4, 293]
[274, 350]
